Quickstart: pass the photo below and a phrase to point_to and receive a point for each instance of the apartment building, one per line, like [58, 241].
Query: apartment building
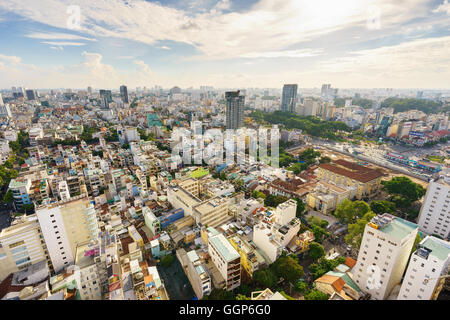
[89, 271]
[427, 265]
[385, 248]
[66, 224]
[20, 189]
[21, 245]
[327, 196]
[434, 217]
[251, 259]
[226, 259]
[196, 272]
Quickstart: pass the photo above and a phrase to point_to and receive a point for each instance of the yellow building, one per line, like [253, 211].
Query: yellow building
[348, 174]
[250, 258]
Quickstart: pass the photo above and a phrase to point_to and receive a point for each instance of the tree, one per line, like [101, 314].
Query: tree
[8, 198]
[316, 295]
[273, 201]
[288, 268]
[348, 211]
[325, 159]
[300, 286]
[300, 207]
[356, 230]
[220, 294]
[242, 297]
[382, 206]
[324, 265]
[167, 260]
[404, 186]
[265, 277]
[257, 194]
[316, 251]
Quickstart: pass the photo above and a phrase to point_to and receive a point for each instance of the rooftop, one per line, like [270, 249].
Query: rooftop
[224, 247]
[439, 248]
[352, 170]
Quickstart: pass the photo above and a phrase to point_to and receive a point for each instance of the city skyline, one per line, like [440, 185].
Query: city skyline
[227, 44]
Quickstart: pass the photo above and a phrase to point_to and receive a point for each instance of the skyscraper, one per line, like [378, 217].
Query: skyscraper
[1, 100]
[124, 94]
[289, 97]
[105, 98]
[235, 109]
[31, 95]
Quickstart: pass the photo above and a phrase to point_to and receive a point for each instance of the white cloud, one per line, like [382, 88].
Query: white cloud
[284, 54]
[165, 47]
[57, 36]
[268, 24]
[64, 43]
[444, 7]
[144, 68]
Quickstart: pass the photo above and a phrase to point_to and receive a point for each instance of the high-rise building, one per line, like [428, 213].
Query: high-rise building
[383, 255]
[226, 259]
[89, 89]
[235, 109]
[311, 107]
[31, 94]
[427, 265]
[1, 100]
[105, 98]
[124, 94]
[434, 217]
[66, 224]
[289, 97]
[21, 245]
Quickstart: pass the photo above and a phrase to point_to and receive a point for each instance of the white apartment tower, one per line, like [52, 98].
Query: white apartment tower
[383, 255]
[226, 259]
[66, 224]
[434, 218]
[427, 265]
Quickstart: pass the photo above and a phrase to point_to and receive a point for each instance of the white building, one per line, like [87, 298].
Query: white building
[267, 241]
[21, 245]
[383, 255]
[434, 218]
[226, 259]
[64, 225]
[428, 263]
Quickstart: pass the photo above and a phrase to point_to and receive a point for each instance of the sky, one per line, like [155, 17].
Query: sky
[225, 43]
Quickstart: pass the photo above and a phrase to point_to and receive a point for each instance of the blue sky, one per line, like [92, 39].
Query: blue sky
[226, 43]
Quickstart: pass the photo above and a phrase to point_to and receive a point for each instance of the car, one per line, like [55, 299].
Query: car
[349, 248]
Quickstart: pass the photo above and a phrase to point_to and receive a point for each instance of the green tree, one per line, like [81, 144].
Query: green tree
[220, 294]
[300, 207]
[273, 201]
[348, 211]
[316, 251]
[316, 295]
[356, 230]
[325, 160]
[404, 186]
[382, 206]
[167, 260]
[242, 297]
[257, 194]
[301, 287]
[265, 277]
[8, 198]
[288, 268]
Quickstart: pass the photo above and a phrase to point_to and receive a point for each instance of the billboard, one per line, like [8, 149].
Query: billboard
[417, 134]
